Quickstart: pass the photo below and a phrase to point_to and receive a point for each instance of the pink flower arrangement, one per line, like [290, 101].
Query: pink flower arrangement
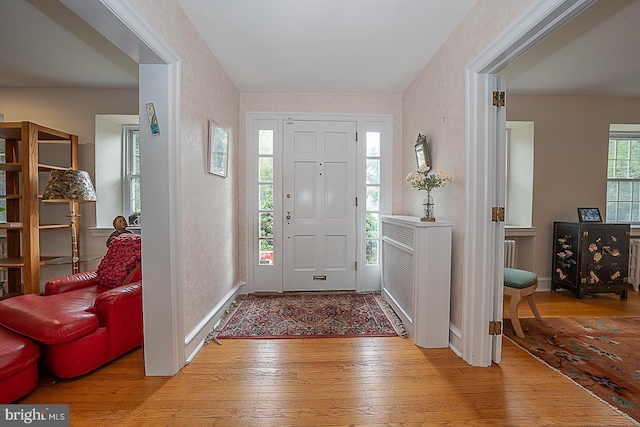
[123, 256]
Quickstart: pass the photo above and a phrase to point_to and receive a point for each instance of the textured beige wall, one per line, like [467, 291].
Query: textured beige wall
[571, 139]
[209, 203]
[73, 111]
[318, 103]
[434, 105]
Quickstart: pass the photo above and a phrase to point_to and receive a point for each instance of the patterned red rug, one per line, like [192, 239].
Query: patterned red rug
[600, 354]
[304, 315]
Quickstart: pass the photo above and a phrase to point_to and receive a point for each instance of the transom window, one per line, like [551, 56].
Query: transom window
[623, 178]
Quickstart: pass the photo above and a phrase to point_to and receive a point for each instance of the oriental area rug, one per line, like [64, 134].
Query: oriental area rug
[310, 315]
[602, 355]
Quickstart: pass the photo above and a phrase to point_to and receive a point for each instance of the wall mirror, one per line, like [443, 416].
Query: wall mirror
[422, 152]
[218, 149]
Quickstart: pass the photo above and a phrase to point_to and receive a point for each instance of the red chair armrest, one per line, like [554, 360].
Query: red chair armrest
[118, 294]
[119, 311]
[70, 283]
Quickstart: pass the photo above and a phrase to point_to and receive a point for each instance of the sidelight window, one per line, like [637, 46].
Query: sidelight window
[265, 196]
[373, 183]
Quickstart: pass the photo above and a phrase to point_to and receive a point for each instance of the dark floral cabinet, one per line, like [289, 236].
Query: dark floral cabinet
[590, 258]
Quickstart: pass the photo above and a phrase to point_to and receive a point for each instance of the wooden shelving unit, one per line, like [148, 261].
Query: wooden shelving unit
[23, 226]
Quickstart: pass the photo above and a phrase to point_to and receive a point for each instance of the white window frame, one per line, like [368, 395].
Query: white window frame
[127, 175]
[636, 181]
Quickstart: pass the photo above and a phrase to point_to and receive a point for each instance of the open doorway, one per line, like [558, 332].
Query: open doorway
[540, 22]
[485, 166]
[160, 176]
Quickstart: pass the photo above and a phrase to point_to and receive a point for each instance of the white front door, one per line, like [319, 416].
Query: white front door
[319, 205]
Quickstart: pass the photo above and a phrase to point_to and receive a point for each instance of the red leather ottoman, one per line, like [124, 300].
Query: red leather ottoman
[18, 367]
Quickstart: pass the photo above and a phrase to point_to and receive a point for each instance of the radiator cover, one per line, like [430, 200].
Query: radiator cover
[416, 276]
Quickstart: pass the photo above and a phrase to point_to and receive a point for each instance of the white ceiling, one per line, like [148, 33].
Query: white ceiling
[596, 53]
[335, 46]
[44, 44]
[359, 46]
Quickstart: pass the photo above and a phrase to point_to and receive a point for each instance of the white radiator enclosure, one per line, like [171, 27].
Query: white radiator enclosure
[510, 253]
[416, 276]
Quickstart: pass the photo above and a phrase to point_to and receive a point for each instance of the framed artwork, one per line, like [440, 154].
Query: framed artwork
[422, 152]
[218, 149]
[589, 215]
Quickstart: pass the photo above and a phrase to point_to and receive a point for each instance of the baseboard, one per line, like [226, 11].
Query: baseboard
[455, 339]
[194, 341]
[544, 284]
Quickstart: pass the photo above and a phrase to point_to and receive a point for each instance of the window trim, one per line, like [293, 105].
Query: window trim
[620, 135]
[127, 175]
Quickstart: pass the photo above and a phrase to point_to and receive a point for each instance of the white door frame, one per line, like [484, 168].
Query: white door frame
[368, 278]
[482, 281]
[160, 176]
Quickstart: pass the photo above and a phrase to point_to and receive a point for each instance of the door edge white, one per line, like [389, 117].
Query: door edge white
[478, 296]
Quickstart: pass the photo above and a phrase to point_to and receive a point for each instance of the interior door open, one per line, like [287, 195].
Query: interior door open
[319, 203]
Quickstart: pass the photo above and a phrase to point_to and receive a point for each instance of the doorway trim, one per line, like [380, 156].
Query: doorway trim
[368, 278]
[481, 287]
[159, 77]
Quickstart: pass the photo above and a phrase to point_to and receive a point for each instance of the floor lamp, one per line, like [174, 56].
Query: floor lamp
[70, 185]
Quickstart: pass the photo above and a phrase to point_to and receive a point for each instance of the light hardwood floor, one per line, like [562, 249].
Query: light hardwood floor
[349, 381]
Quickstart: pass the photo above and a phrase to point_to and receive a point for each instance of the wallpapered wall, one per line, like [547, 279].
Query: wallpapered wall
[209, 203]
[434, 104]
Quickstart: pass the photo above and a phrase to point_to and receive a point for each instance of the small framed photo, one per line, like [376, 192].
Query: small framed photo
[589, 215]
[218, 149]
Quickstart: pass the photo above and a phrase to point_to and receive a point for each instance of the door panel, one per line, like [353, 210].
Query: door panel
[319, 205]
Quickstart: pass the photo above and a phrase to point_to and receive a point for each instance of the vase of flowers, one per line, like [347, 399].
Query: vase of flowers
[423, 180]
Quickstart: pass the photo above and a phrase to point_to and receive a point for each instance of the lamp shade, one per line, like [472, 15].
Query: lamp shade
[69, 185]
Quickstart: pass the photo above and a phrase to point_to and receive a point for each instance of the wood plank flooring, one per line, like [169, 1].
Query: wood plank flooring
[330, 382]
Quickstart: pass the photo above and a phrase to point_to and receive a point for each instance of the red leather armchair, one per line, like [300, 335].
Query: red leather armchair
[79, 324]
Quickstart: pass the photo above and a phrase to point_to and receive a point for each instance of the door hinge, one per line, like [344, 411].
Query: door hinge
[356, 265]
[289, 121]
[499, 98]
[497, 214]
[356, 136]
[356, 201]
[495, 327]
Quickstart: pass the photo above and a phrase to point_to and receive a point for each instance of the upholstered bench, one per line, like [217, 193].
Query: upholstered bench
[18, 367]
[518, 284]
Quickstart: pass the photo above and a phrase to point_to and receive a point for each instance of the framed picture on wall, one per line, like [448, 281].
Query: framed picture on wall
[218, 149]
[589, 215]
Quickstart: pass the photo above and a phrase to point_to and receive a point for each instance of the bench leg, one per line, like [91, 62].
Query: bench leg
[513, 313]
[534, 308]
